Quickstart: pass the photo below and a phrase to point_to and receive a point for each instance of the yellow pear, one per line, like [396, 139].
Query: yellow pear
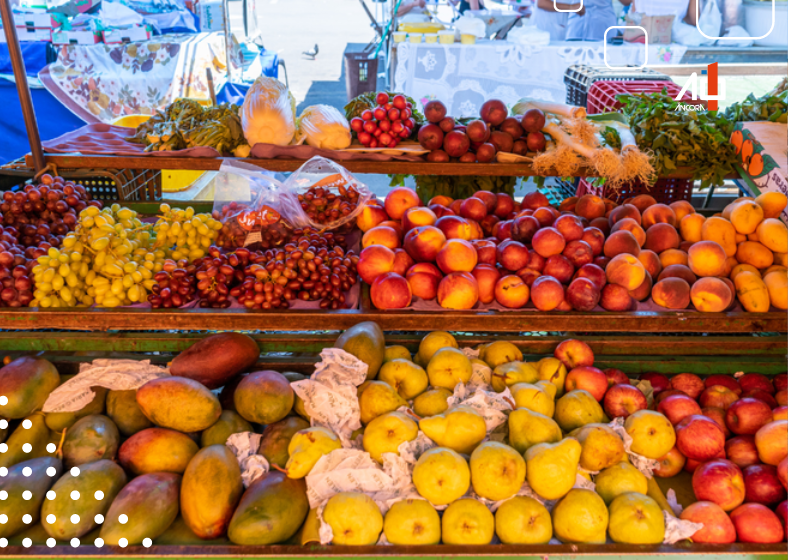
[533, 397]
[508, 374]
[576, 409]
[580, 517]
[501, 352]
[354, 519]
[307, 447]
[497, 471]
[636, 519]
[460, 428]
[527, 428]
[551, 468]
[467, 521]
[396, 352]
[651, 432]
[547, 387]
[378, 397]
[620, 479]
[602, 447]
[433, 342]
[441, 475]
[432, 402]
[552, 370]
[386, 432]
[447, 367]
[409, 379]
[523, 520]
[412, 522]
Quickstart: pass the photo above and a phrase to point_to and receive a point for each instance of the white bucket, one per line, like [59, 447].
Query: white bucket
[758, 21]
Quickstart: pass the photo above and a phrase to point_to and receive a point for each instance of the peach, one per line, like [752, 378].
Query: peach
[651, 262]
[772, 442]
[476, 230]
[442, 200]
[707, 258]
[579, 253]
[583, 294]
[398, 200]
[512, 255]
[381, 235]
[602, 261]
[547, 293]
[560, 268]
[456, 255]
[602, 224]
[473, 209]
[548, 241]
[681, 208]
[595, 239]
[673, 256]
[486, 278]
[755, 523]
[624, 211]
[502, 230]
[370, 216]
[455, 206]
[658, 214]
[570, 227]
[691, 226]
[574, 353]
[489, 199]
[524, 228]
[534, 200]
[536, 261]
[424, 243]
[711, 295]
[670, 464]
[630, 225]
[754, 253]
[511, 292]
[593, 273]
[485, 251]
[677, 271]
[781, 412]
[402, 262]
[587, 378]
[741, 450]
[661, 237]
[390, 291]
[393, 224]
[458, 290]
[642, 201]
[504, 205]
[418, 216]
[722, 231]
[615, 298]
[717, 526]
[685, 246]
[454, 227]
[488, 223]
[643, 292]
[544, 216]
[672, 293]
[440, 211]
[590, 207]
[529, 275]
[620, 243]
[374, 261]
[782, 398]
[423, 285]
[625, 270]
[718, 396]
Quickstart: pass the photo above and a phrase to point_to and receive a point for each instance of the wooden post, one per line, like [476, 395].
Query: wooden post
[20, 77]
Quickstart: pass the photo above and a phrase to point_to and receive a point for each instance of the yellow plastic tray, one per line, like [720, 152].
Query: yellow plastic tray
[421, 27]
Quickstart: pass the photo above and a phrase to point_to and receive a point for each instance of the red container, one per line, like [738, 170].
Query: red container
[664, 191]
[602, 94]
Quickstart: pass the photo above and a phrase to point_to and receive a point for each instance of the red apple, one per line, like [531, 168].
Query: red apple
[718, 396]
[699, 437]
[670, 464]
[747, 415]
[750, 381]
[761, 395]
[717, 526]
[719, 481]
[624, 400]
[574, 353]
[755, 523]
[689, 383]
[780, 382]
[691, 464]
[658, 381]
[616, 377]
[724, 380]
[662, 395]
[588, 378]
[742, 451]
[762, 485]
[677, 407]
[718, 415]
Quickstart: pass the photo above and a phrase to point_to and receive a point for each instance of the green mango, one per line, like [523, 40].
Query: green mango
[179, 534]
[157, 450]
[264, 397]
[270, 511]
[104, 476]
[179, 403]
[366, 342]
[276, 438]
[229, 423]
[210, 490]
[90, 439]
[37, 435]
[37, 535]
[26, 383]
[59, 421]
[150, 503]
[15, 506]
[122, 407]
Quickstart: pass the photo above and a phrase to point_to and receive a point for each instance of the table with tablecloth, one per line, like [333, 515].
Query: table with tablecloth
[464, 76]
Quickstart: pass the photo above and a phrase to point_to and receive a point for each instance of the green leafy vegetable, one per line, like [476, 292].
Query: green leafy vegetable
[770, 107]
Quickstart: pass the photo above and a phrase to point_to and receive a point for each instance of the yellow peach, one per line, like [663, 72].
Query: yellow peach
[690, 227]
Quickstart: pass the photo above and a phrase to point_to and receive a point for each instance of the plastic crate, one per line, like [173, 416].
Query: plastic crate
[664, 191]
[361, 72]
[579, 78]
[602, 95]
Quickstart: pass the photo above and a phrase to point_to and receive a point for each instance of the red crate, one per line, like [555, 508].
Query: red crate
[602, 94]
[664, 191]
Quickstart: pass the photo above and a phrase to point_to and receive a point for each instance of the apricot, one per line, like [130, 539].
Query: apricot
[661, 237]
[777, 284]
[673, 256]
[486, 278]
[630, 225]
[621, 242]
[721, 231]
[658, 214]
[746, 217]
[615, 298]
[456, 255]
[589, 207]
[625, 270]
[511, 292]
[672, 293]
[642, 201]
[681, 208]
[547, 293]
[691, 226]
[773, 203]
[774, 235]
[711, 295]
[754, 253]
[642, 292]
[381, 235]
[458, 290]
[678, 271]
[371, 215]
[390, 291]
[418, 216]
[742, 268]
[398, 200]
[651, 261]
[707, 258]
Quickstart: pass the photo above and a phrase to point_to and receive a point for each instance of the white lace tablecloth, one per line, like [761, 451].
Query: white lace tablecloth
[464, 76]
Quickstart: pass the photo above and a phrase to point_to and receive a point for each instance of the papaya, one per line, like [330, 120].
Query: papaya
[26, 383]
[264, 397]
[179, 534]
[150, 504]
[179, 403]
[210, 490]
[90, 439]
[102, 476]
[59, 421]
[122, 407]
[271, 511]
[157, 450]
[229, 423]
[366, 342]
[15, 506]
[31, 431]
[276, 438]
[215, 360]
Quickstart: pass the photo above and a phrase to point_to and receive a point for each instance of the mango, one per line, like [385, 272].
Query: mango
[229, 423]
[777, 284]
[157, 450]
[752, 292]
[36, 434]
[270, 511]
[210, 491]
[90, 439]
[366, 342]
[178, 533]
[37, 535]
[150, 504]
[179, 403]
[122, 407]
[26, 383]
[215, 360]
[276, 439]
[15, 506]
[103, 476]
[227, 394]
[59, 421]
[264, 397]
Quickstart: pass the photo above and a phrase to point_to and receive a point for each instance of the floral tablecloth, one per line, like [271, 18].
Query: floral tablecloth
[102, 82]
[464, 76]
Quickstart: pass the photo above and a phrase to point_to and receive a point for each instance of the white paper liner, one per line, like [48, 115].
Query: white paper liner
[253, 466]
[641, 463]
[493, 407]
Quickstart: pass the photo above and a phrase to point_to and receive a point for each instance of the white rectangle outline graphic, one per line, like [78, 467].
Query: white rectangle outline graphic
[774, 20]
[555, 5]
[604, 46]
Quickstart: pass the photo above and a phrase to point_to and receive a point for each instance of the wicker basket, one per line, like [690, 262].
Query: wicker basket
[602, 94]
[579, 78]
[664, 191]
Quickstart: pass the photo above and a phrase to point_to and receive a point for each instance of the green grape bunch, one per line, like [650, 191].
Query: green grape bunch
[183, 234]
